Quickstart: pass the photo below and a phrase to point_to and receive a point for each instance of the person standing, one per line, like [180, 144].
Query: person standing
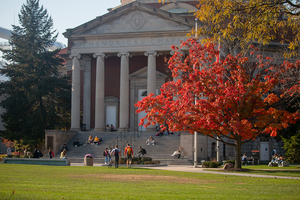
[129, 155]
[106, 154]
[116, 152]
[109, 155]
[273, 152]
[51, 154]
[8, 151]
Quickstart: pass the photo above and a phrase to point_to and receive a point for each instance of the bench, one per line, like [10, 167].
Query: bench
[37, 161]
[284, 164]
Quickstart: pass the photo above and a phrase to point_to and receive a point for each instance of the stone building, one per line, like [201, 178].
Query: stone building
[118, 58]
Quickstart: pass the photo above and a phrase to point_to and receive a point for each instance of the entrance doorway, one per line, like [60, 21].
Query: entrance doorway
[111, 115]
[264, 151]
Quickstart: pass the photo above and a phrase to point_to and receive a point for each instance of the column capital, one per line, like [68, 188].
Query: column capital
[127, 54]
[147, 53]
[180, 51]
[86, 57]
[95, 55]
[75, 55]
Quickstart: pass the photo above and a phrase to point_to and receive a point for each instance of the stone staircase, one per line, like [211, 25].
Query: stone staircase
[162, 150]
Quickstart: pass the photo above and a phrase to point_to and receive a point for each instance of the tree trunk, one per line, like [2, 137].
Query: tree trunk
[238, 149]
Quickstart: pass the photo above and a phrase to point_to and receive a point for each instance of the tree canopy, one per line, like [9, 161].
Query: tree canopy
[244, 22]
[36, 96]
[236, 99]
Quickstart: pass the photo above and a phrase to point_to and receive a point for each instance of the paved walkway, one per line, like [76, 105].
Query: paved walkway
[190, 168]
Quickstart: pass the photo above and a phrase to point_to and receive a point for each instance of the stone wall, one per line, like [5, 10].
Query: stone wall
[59, 138]
[206, 148]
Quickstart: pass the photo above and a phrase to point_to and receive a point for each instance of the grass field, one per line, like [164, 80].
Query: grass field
[291, 171]
[82, 182]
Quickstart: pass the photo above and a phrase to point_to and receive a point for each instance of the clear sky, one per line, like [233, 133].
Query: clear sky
[65, 13]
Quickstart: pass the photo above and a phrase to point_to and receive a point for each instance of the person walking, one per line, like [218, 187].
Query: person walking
[116, 152]
[129, 155]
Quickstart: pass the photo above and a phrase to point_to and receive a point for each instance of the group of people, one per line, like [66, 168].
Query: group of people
[245, 159]
[110, 128]
[276, 158]
[92, 140]
[164, 132]
[128, 152]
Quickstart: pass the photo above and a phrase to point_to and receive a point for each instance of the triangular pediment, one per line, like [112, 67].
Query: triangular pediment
[142, 73]
[132, 18]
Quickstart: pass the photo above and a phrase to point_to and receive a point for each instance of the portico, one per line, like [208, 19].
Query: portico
[116, 57]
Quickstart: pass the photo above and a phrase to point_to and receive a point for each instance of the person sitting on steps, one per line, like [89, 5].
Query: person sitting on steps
[90, 139]
[112, 128]
[107, 128]
[176, 153]
[77, 143]
[96, 140]
[141, 152]
[150, 141]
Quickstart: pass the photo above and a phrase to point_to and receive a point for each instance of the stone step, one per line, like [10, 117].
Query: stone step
[162, 150]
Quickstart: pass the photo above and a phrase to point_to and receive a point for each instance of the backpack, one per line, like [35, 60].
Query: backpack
[103, 153]
[273, 152]
[129, 151]
[116, 152]
[144, 151]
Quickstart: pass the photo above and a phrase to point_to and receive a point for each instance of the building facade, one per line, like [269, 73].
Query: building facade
[118, 58]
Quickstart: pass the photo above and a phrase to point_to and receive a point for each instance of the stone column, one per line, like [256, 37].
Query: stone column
[151, 79]
[75, 105]
[124, 90]
[99, 99]
[151, 74]
[87, 93]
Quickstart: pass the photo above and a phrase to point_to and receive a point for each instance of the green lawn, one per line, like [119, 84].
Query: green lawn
[70, 182]
[291, 171]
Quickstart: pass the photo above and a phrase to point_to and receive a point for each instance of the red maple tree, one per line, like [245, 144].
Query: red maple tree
[233, 100]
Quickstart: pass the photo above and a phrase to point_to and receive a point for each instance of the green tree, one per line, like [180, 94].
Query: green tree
[37, 97]
[292, 147]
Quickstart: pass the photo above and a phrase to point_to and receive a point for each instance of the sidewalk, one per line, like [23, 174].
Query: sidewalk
[190, 168]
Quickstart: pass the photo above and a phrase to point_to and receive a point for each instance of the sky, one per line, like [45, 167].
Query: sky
[65, 13]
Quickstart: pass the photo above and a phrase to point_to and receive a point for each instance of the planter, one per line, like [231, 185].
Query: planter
[88, 161]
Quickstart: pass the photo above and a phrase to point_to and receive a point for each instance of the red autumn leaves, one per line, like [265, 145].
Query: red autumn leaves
[220, 98]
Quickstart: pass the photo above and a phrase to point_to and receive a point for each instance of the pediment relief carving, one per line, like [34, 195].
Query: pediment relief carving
[137, 21]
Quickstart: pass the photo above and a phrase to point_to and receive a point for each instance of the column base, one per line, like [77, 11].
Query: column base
[75, 129]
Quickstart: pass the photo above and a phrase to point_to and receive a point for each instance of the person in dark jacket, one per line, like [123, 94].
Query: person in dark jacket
[35, 153]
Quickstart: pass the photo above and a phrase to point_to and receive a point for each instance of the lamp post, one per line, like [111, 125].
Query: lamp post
[219, 60]
[195, 133]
